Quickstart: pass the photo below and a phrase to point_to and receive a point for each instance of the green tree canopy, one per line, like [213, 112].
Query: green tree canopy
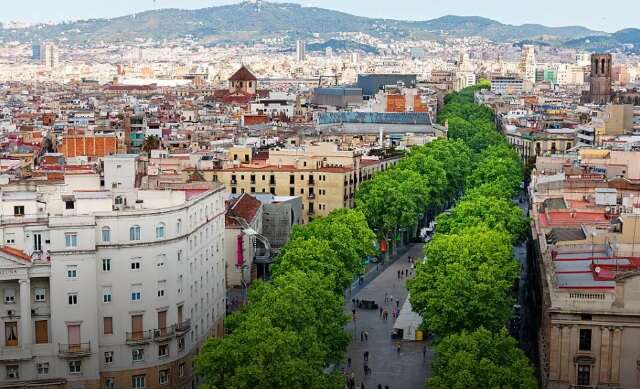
[492, 212]
[481, 359]
[465, 281]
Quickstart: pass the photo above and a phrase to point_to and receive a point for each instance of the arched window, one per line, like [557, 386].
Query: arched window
[179, 226]
[160, 231]
[602, 66]
[134, 233]
[106, 234]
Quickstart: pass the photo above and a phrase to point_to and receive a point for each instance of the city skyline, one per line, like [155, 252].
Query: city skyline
[609, 19]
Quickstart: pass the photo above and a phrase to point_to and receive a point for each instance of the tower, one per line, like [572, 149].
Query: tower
[300, 54]
[600, 85]
[528, 63]
[49, 55]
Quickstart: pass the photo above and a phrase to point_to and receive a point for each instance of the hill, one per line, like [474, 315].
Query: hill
[253, 20]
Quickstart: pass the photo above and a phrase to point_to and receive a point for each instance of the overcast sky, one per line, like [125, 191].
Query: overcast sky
[609, 15]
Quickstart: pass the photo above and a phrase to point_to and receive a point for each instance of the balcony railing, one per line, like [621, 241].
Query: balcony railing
[312, 196]
[162, 334]
[583, 387]
[74, 350]
[183, 326]
[137, 337]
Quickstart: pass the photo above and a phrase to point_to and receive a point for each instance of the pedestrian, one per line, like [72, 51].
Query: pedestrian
[386, 387]
[366, 336]
[366, 356]
[353, 302]
[386, 297]
[380, 309]
[362, 385]
[398, 347]
[398, 273]
[385, 314]
[391, 298]
[362, 336]
[366, 369]
[379, 386]
[424, 352]
[397, 304]
[406, 272]
[348, 361]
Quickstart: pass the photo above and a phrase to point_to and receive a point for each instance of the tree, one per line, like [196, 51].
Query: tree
[495, 168]
[492, 212]
[291, 329]
[455, 157]
[313, 255]
[465, 281]
[481, 359]
[151, 142]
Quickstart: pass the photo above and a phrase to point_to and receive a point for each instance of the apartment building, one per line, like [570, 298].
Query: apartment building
[324, 177]
[108, 288]
[585, 229]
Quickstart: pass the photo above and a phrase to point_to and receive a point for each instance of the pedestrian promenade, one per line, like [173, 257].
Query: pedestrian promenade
[399, 370]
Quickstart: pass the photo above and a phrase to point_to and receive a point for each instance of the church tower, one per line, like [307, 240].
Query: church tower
[600, 86]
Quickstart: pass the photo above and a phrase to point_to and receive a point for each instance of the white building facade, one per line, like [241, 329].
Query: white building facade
[108, 288]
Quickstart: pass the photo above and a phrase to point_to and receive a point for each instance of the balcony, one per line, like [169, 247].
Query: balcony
[183, 327]
[74, 350]
[312, 196]
[583, 387]
[311, 182]
[163, 334]
[234, 182]
[139, 337]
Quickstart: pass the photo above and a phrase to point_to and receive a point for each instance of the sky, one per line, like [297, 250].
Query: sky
[615, 15]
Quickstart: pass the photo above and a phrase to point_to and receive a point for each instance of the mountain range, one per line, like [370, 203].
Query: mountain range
[251, 21]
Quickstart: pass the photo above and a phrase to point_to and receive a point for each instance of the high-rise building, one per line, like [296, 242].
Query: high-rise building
[329, 52]
[36, 52]
[582, 59]
[49, 55]
[300, 51]
[528, 64]
[600, 84]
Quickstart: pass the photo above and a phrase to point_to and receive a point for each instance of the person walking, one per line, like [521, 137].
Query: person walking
[362, 336]
[397, 303]
[362, 385]
[381, 311]
[398, 347]
[366, 336]
[379, 386]
[366, 356]
[386, 297]
[398, 273]
[348, 361]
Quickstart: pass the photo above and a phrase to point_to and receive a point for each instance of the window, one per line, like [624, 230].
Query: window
[292, 192]
[584, 375]
[72, 271]
[180, 344]
[163, 350]
[71, 239]
[10, 238]
[137, 354]
[72, 298]
[108, 357]
[106, 294]
[107, 324]
[585, 340]
[109, 383]
[181, 370]
[69, 204]
[18, 210]
[10, 333]
[106, 264]
[179, 226]
[42, 368]
[12, 372]
[160, 231]
[39, 295]
[134, 233]
[9, 296]
[135, 264]
[106, 234]
[162, 286]
[137, 382]
[42, 331]
[136, 293]
[75, 367]
[164, 377]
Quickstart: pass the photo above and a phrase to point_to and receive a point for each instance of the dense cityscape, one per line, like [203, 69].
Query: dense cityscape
[266, 195]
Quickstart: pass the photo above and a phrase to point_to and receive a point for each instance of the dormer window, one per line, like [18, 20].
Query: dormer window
[69, 204]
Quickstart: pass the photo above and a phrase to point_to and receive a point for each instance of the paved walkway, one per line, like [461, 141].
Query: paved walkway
[405, 370]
